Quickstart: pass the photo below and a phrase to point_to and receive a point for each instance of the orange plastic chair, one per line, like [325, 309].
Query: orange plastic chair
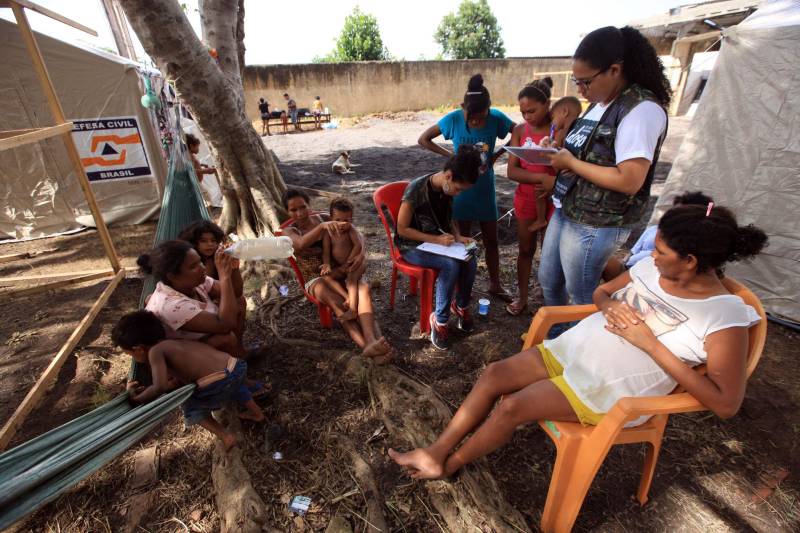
[325, 315]
[389, 196]
[581, 450]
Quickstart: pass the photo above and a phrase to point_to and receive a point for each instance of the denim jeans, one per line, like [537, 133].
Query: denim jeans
[573, 258]
[451, 272]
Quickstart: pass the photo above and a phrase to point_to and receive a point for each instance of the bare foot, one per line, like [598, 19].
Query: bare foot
[379, 347]
[229, 441]
[257, 416]
[385, 358]
[419, 463]
[537, 225]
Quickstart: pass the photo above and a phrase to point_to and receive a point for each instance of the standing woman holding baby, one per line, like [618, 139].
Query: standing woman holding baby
[606, 167]
[478, 125]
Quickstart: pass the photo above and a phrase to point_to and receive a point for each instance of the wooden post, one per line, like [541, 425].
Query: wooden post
[50, 374]
[58, 115]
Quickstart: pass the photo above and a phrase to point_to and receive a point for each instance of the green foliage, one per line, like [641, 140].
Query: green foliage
[360, 40]
[472, 33]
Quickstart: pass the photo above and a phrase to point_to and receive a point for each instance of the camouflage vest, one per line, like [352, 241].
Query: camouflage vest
[593, 205]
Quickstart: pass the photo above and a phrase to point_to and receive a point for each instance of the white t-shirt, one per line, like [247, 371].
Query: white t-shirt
[638, 133]
[602, 367]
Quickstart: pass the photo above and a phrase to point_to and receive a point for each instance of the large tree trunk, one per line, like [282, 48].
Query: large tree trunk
[251, 182]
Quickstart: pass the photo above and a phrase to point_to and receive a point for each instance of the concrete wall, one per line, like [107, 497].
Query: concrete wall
[374, 86]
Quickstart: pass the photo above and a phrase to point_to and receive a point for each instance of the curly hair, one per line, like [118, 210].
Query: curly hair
[140, 328]
[341, 204]
[465, 164]
[640, 64]
[712, 237]
[194, 231]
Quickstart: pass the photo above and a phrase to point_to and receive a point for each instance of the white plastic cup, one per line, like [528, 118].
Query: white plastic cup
[483, 307]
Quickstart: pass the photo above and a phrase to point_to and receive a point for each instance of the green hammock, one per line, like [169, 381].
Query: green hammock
[38, 471]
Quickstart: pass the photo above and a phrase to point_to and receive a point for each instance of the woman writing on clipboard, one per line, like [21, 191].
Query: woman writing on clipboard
[607, 166]
[426, 216]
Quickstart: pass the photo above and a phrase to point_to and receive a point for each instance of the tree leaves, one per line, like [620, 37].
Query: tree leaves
[471, 33]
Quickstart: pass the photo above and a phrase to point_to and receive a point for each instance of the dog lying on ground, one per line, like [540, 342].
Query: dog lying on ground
[342, 165]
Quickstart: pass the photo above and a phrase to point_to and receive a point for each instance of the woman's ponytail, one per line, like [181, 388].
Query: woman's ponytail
[749, 242]
[144, 264]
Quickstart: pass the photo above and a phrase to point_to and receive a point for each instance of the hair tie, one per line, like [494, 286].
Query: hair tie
[710, 207]
[474, 92]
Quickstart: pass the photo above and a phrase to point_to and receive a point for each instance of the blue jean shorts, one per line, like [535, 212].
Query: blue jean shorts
[216, 395]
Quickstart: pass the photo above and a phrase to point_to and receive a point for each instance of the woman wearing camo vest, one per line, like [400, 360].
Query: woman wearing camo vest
[607, 164]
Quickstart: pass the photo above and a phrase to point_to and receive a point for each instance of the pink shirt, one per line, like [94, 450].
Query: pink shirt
[175, 309]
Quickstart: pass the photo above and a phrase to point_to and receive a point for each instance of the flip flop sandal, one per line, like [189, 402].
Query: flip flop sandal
[259, 390]
[516, 312]
[502, 295]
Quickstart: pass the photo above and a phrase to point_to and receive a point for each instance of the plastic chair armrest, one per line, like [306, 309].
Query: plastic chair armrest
[546, 317]
[658, 405]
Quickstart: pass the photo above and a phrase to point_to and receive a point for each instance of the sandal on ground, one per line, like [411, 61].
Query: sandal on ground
[259, 389]
[513, 310]
[501, 295]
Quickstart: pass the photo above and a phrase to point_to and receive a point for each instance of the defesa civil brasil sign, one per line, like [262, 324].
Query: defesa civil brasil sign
[111, 148]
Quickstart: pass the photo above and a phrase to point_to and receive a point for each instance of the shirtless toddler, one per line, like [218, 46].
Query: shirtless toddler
[338, 253]
[173, 363]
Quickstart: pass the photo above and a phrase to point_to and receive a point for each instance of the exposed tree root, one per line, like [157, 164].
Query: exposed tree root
[413, 413]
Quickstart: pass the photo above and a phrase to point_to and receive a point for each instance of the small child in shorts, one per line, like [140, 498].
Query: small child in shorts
[219, 377]
[338, 254]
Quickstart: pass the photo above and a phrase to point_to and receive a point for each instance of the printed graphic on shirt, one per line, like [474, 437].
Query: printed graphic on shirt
[659, 316]
[574, 142]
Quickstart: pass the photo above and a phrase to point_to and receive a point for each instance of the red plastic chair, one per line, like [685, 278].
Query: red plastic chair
[389, 196]
[325, 315]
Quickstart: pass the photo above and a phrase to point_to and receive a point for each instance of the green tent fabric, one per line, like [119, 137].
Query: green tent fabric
[38, 471]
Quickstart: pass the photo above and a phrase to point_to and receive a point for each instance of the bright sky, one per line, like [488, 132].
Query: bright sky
[282, 32]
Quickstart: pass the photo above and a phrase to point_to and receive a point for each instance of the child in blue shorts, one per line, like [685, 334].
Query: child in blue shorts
[218, 376]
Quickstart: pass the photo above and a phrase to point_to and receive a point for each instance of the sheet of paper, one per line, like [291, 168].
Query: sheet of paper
[455, 250]
[534, 156]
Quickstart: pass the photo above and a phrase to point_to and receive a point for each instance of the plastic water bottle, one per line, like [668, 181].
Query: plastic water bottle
[262, 248]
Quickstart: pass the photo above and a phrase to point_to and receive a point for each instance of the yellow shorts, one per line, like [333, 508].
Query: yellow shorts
[586, 416]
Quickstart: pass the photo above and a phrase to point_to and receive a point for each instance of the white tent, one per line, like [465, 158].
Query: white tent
[743, 147]
[117, 139]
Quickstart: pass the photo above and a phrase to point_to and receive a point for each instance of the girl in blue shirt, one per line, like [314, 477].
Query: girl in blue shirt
[476, 124]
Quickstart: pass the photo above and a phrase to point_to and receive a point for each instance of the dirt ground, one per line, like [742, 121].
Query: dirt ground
[713, 475]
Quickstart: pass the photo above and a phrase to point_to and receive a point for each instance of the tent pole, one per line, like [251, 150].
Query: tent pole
[58, 115]
[50, 374]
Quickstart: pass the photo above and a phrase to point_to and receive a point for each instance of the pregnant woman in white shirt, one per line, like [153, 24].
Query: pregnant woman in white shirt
[656, 322]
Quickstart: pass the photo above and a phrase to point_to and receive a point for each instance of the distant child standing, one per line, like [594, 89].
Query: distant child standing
[193, 144]
[316, 111]
[338, 255]
[478, 125]
[219, 377]
[530, 205]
